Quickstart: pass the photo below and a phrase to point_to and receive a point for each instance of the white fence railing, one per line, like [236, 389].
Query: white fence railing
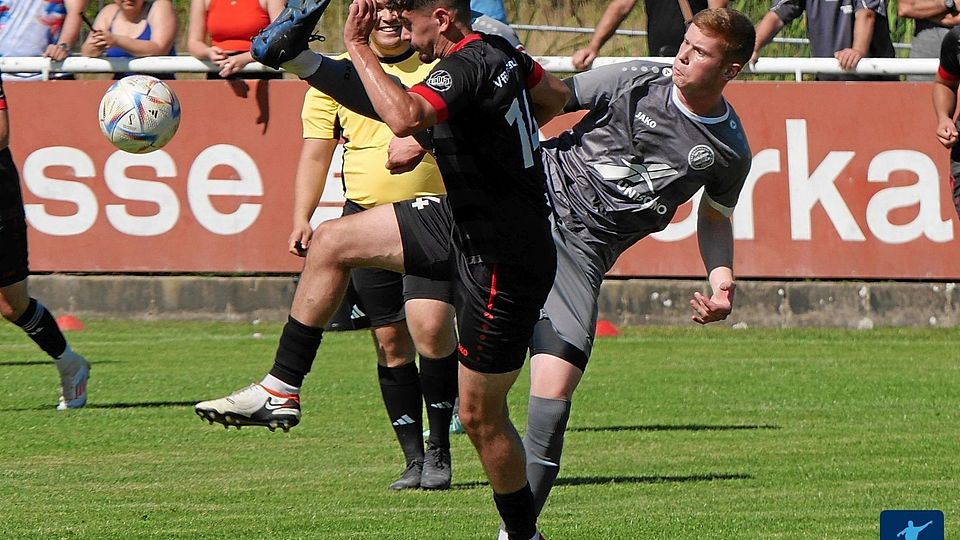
[557, 64]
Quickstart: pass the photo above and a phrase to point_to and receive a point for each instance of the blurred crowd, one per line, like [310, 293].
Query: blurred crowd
[220, 31]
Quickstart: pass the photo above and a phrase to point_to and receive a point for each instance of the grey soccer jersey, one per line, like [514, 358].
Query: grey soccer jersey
[637, 155]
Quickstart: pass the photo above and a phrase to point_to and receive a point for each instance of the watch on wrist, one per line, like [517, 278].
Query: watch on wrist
[66, 47]
[951, 6]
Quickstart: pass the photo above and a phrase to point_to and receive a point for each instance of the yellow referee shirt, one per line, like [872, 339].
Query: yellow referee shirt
[366, 181]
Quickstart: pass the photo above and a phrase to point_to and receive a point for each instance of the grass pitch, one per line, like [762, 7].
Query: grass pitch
[699, 433]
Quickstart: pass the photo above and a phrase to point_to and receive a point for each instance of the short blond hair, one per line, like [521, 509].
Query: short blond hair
[733, 28]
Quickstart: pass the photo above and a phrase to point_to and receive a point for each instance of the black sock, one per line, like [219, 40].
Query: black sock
[543, 443]
[438, 377]
[400, 387]
[38, 323]
[516, 511]
[296, 351]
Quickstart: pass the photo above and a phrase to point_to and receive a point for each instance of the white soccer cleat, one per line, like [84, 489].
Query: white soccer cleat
[254, 405]
[74, 373]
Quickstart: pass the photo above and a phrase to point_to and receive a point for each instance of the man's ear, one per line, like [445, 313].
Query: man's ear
[443, 17]
[731, 71]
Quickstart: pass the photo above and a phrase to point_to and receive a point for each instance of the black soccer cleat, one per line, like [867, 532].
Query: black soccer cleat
[437, 470]
[411, 476]
[289, 34]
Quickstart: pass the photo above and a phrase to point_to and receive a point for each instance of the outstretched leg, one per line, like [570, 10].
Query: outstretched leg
[370, 238]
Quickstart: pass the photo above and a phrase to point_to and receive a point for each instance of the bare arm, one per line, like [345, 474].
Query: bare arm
[163, 28]
[766, 30]
[549, 96]
[312, 170]
[403, 112]
[714, 4]
[615, 13]
[862, 34]
[921, 9]
[944, 107]
[715, 237]
[70, 31]
[197, 34]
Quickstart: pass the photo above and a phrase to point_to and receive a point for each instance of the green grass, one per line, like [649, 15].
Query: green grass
[676, 433]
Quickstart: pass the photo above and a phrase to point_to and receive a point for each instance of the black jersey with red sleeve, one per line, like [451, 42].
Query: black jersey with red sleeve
[3, 98]
[487, 148]
[949, 69]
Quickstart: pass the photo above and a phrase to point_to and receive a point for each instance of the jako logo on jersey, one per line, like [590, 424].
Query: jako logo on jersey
[650, 122]
[700, 157]
[630, 177]
[441, 81]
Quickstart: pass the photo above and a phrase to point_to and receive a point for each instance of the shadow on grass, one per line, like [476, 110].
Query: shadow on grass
[606, 480]
[139, 405]
[142, 405]
[677, 427]
[50, 363]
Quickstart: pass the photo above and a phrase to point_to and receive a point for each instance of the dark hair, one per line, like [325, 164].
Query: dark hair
[733, 28]
[461, 7]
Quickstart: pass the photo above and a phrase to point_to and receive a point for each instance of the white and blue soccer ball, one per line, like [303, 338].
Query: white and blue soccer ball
[139, 114]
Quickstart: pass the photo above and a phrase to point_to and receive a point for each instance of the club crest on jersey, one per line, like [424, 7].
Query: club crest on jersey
[700, 157]
[441, 81]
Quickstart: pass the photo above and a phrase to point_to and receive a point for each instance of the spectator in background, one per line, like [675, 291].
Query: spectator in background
[845, 30]
[934, 19]
[230, 25]
[491, 8]
[667, 21]
[133, 29]
[47, 28]
[945, 105]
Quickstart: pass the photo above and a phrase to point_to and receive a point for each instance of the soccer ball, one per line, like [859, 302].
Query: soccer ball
[139, 114]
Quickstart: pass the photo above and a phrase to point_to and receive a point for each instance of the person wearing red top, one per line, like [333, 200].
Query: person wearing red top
[230, 25]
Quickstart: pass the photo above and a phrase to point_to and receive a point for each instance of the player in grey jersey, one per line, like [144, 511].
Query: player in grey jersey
[653, 137]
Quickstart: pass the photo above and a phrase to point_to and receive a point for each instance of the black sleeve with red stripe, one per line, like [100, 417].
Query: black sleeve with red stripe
[3, 98]
[450, 87]
[949, 69]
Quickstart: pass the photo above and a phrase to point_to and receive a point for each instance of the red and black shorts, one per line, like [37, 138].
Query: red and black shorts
[497, 304]
[13, 224]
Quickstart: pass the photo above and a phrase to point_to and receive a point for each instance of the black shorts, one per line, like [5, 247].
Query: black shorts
[13, 225]
[497, 304]
[380, 294]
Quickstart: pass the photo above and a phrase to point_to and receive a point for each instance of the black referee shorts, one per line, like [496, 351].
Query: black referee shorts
[497, 304]
[13, 224]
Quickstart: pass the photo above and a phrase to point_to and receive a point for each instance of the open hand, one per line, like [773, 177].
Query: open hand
[715, 308]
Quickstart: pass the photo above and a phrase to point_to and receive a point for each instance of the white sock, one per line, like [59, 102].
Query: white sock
[279, 386]
[304, 65]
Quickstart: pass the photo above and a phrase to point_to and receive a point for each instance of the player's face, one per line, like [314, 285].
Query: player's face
[386, 35]
[421, 30]
[700, 63]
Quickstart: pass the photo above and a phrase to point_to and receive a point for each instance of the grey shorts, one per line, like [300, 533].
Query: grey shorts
[568, 320]
[926, 44]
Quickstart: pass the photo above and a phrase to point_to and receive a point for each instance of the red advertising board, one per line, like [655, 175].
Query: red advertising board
[848, 181]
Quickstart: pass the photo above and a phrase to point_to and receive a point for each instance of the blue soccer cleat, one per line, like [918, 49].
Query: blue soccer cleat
[289, 34]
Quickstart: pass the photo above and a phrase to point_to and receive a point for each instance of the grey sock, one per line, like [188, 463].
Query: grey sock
[543, 442]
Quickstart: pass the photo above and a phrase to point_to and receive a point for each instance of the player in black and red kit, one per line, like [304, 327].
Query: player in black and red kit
[482, 104]
[945, 104]
[16, 305]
